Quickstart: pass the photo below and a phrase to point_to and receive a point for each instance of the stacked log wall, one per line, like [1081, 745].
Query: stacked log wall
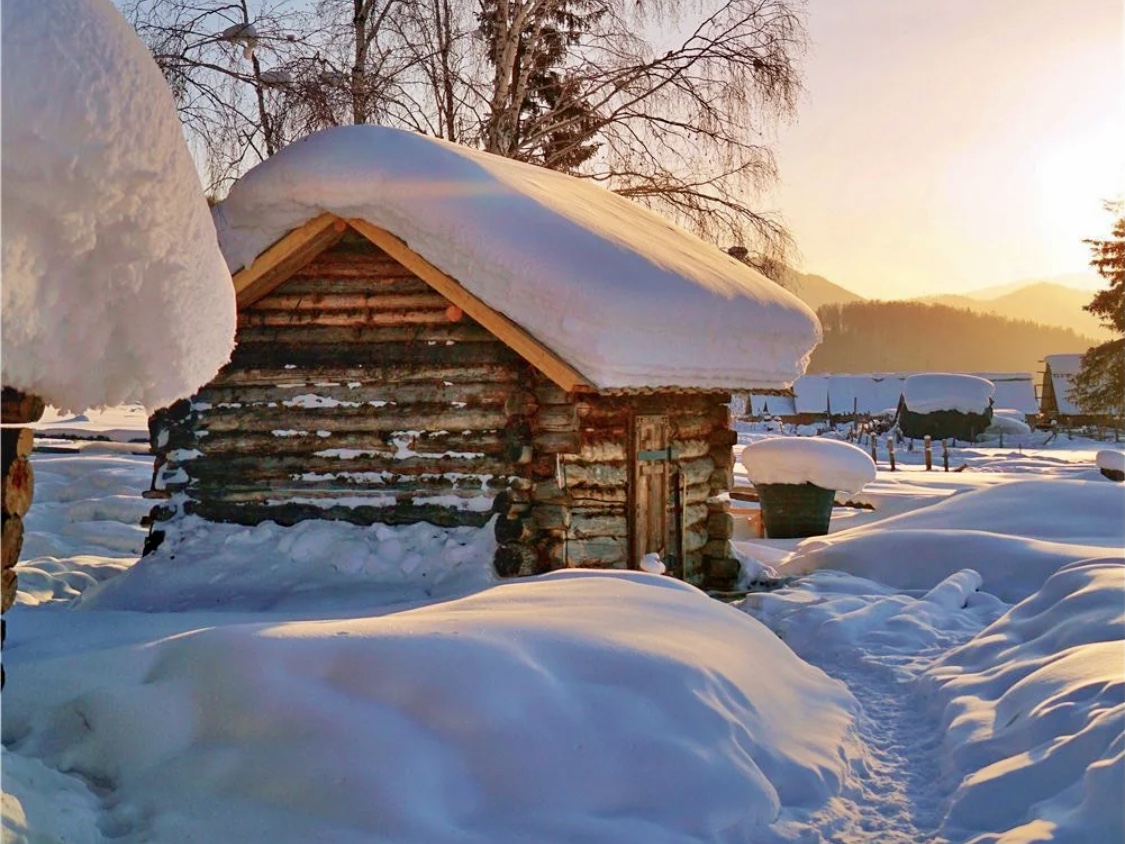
[581, 508]
[357, 393]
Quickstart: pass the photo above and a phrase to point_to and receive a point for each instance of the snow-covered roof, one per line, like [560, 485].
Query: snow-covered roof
[114, 289]
[847, 393]
[829, 464]
[616, 291]
[1063, 368]
[934, 391]
[1014, 390]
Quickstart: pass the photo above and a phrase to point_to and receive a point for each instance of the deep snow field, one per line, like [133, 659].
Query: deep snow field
[946, 667]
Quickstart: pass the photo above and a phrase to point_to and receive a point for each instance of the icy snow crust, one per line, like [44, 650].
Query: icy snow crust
[830, 464]
[624, 296]
[114, 287]
[932, 391]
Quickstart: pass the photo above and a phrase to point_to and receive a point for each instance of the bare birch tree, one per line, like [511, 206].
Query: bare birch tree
[671, 104]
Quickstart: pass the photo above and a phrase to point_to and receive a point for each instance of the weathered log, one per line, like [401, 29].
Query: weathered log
[323, 281]
[547, 392]
[15, 443]
[358, 301]
[696, 471]
[556, 418]
[291, 514]
[300, 355]
[556, 442]
[593, 474]
[342, 319]
[599, 552]
[18, 407]
[416, 417]
[420, 371]
[594, 451]
[427, 443]
[587, 526]
[550, 517]
[416, 336]
[324, 494]
[720, 525]
[717, 549]
[515, 559]
[357, 393]
[17, 487]
[255, 467]
[9, 584]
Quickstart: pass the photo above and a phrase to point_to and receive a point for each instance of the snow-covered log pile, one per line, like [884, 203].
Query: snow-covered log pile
[945, 405]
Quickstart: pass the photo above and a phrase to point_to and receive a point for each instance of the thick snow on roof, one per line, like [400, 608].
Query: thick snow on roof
[934, 391]
[114, 287]
[621, 294]
[829, 464]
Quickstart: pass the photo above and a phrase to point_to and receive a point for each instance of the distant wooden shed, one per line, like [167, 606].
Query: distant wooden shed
[370, 385]
[1055, 405]
[945, 406]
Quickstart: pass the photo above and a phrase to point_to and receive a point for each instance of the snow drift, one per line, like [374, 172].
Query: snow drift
[575, 706]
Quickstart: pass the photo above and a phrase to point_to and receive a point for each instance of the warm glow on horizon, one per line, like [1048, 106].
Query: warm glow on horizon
[953, 145]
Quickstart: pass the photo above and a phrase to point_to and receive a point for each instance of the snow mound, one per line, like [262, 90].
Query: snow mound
[1034, 715]
[557, 708]
[114, 287]
[827, 463]
[1008, 421]
[627, 298]
[934, 391]
[204, 565]
[1110, 459]
[1001, 531]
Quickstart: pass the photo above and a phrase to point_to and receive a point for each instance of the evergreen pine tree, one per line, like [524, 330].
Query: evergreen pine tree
[1099, 387]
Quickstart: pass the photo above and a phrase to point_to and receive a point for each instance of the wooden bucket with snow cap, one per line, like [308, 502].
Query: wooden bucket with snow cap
[791, 511]
[797, 479]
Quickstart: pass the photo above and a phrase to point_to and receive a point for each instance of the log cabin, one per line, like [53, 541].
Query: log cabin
[429, 333]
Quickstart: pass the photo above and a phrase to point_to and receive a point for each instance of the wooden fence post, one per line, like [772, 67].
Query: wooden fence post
[874, 449]
[945, 454]
[891, 451]
[928, 447]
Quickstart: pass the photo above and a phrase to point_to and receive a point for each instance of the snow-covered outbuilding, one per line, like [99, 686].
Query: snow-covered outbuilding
[945, 405]
[431, 333]
[1054, 399]
[843, 397]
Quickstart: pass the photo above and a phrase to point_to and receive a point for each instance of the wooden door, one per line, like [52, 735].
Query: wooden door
[650, 485]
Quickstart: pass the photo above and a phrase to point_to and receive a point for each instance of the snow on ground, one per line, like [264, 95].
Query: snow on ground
[110, 256]
[271, 692]
[617, 291]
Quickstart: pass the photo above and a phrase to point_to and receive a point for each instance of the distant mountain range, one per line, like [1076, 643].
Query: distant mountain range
[1057, 302]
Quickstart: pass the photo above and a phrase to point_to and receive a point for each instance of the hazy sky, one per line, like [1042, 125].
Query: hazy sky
[948, 145]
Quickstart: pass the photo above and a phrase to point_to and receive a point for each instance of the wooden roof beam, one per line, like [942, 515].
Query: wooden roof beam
[287, 256]
[514, 336]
